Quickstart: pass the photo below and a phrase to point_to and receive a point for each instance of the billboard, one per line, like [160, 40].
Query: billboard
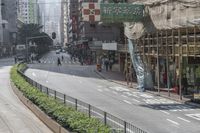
[121, 12]
[109, 46]
[112, 12]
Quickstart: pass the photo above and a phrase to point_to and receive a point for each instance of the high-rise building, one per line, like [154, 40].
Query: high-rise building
[29, 11]
[8, 26]
[63, 22]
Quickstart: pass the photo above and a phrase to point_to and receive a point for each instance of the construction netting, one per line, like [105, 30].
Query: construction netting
[144, 77]
[164, 14]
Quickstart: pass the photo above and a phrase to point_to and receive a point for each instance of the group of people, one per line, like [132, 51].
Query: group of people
[107, 63]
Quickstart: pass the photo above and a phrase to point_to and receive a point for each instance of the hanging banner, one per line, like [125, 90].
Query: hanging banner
[121, 12]
[112, 12]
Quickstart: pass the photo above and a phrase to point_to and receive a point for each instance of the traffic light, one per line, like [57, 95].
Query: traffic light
[53, 35]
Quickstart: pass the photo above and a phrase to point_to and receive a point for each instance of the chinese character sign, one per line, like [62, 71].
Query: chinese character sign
[121, 12]
[112, 12]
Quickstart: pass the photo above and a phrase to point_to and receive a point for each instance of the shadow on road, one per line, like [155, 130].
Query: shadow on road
[170, 107]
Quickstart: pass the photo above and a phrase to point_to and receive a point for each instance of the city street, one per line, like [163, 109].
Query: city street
[15, 117]
[148, 112]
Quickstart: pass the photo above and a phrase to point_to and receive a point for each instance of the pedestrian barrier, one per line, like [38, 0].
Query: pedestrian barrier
[118, 125]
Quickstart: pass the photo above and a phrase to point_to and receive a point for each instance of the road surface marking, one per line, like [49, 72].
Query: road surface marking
[173, 122]
[146, 96]
[124, 96]
[127, 102]
[128, 93]
[33, 74]
[100, 90]
[136, 100]
[47, 81]
[119, 88]
[183, 119]
[195, 116]
[165, 112]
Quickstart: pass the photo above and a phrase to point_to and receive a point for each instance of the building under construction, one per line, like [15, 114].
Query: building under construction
[167, 44]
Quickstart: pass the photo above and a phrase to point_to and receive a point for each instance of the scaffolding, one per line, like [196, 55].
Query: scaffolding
[169, 53]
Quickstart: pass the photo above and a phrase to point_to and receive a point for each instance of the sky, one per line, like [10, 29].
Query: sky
[52, 13]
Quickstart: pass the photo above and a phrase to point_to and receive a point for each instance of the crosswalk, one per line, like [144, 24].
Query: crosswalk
[151, 101]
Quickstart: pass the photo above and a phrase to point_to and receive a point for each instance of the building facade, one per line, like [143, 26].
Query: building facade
[8, 27]
[64, 19]
[29, 11]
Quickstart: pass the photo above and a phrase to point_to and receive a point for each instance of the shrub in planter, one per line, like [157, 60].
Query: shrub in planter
[66, 116]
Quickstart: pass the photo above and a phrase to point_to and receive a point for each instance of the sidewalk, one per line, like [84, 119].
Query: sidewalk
[118, 78]
[15, 116]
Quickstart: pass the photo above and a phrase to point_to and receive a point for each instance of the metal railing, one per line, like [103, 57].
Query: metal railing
[116, 124]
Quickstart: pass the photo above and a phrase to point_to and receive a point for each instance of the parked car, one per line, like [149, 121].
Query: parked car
[57, 51]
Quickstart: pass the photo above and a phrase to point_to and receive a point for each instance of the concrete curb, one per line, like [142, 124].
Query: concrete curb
[53, 125]
[177, 100]
[101, 75]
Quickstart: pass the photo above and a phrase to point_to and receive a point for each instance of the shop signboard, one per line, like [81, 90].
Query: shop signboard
[197, 96]
[109, 46]
[121, 12]
[112, 12]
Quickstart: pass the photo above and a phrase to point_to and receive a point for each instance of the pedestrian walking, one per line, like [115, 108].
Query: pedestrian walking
[62, 58]
[58, 62]
[110, 64]
[106, 63]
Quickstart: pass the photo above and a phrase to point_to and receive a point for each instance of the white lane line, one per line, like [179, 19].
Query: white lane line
[100, 90]
[136, 100]
[164, 112]
[124, 96]
[33, 74]
[173, 122]
[127, 102]
[194, 116]
[183, 119]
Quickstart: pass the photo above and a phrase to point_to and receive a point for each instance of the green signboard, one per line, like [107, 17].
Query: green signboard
[121, 12]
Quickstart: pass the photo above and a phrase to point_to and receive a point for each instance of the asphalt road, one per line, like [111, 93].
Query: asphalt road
[14, 116]
[151, 113]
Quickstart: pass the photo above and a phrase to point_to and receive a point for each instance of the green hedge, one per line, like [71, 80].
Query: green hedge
[66, 116]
